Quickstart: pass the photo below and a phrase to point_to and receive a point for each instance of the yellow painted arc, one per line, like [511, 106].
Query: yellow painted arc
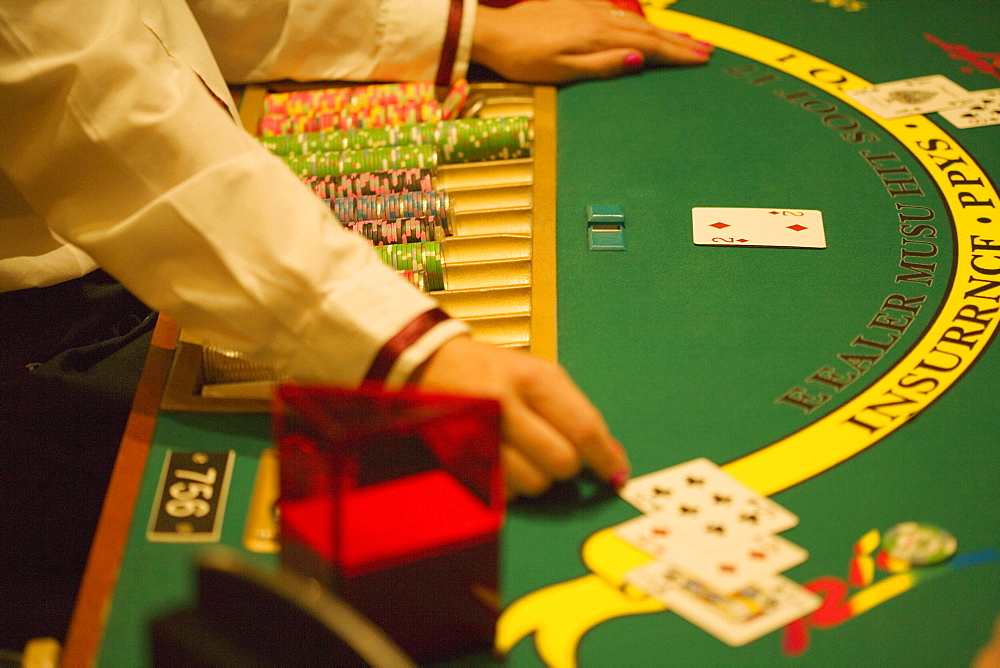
[868, 543]
[576, 606]
[830, 439]
[880, 592]
[552, 613]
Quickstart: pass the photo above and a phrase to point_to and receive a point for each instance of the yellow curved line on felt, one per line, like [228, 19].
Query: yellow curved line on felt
[579, 605]
[869, 542]
[818, 446]
[608, 556]
[880, 592]
[832, 439]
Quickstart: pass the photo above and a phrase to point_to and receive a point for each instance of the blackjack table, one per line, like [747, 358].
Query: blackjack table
[856, 384]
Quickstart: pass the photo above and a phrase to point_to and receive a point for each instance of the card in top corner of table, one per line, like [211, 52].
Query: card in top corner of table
[908, 97]
[754, 226]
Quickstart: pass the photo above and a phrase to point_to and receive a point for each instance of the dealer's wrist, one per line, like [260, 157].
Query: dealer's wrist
[400, 359]
[486, 37]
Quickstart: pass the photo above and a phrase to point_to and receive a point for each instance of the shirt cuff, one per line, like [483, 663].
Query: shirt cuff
[456, 48]
[411, 346]
[464, 53]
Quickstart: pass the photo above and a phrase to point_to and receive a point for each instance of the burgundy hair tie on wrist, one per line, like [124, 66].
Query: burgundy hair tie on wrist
[450, 47]
[406, 337]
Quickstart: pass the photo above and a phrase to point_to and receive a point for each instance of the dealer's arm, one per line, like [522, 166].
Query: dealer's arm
[553, 41]
[115, 153]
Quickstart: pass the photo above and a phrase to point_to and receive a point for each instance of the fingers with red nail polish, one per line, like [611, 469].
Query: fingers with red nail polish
[634, 62]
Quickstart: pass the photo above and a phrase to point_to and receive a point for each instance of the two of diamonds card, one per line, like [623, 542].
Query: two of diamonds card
[716, 555]
[738, 226]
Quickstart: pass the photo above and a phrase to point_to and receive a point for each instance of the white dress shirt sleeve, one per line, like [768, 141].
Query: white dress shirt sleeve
[347, 40]
[119, 147]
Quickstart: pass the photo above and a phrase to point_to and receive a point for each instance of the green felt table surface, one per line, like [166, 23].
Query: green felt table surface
[688, 350]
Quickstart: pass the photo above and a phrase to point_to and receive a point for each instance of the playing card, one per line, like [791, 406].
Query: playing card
[653, 536]
[907, 97]
[727, 570]
[703, 502]
[983, 108]
[738, 226]
[736, 619]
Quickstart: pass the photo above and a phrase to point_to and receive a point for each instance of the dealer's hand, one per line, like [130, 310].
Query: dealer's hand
[550, 429]
[558, 41]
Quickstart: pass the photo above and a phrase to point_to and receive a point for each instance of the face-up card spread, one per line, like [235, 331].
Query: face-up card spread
[907, 97]
[740, 226]
[983, 108]
[702, 502]
[736, 619]
[727, 570]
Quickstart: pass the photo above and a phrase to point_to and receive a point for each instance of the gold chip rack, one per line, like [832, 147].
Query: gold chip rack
[500, 272]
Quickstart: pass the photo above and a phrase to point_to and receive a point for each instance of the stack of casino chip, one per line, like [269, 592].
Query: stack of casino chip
[425, 257]
[305, 143]
[484, 139]
[392, 206]
[455, 100]
[326, 141]
[370, 152]
[348, 98]
[406, 114]
[417, 279]
[457, 141]
[398, 231]
[365, 160]
[911, 544]
[369, 106]
[371, 183]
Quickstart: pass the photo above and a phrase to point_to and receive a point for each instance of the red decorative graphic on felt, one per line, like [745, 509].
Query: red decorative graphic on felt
[985, 62]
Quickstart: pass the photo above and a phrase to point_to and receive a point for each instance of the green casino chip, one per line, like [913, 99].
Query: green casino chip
[919, 544]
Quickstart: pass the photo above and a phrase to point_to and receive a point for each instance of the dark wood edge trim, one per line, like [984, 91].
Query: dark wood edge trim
[101, 575]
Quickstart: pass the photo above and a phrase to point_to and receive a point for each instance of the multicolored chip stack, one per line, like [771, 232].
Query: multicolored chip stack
[915, 544]
[369, 106]
[398, 231]
[373, 153]
[424, 257]
[392, 206]
[365, 160]
[278, 124]
[357, 98]
[387, 184]
[457, 141]
[454, 101]
[417, 279]
[484, 139]
[371, 183]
